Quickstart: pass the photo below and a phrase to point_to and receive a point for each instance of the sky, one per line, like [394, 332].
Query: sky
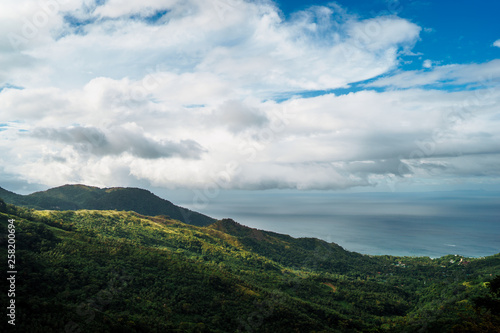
[212, 95]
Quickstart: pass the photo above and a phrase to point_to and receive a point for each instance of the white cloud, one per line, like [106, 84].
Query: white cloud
[118, 8]
[483, 75]
[427, 63]
[497, 43]
[245, 43]
[189, 99]
[307, 143]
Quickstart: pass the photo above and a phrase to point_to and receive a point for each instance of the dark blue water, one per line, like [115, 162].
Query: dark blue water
[405, 224]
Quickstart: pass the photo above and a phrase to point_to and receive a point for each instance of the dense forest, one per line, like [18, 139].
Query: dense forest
[120, 271]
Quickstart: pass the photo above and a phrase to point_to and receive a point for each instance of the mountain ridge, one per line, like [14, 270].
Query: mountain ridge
[79, 196]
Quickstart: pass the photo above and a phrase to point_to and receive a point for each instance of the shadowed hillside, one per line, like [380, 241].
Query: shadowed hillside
[74, 197]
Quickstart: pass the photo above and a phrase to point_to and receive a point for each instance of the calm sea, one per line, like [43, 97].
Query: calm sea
[404, 224]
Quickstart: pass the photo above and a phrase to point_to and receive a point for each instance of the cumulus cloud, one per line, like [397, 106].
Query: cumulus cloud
[325, 142]
[497, 43]
[206, 94]
[247, 43]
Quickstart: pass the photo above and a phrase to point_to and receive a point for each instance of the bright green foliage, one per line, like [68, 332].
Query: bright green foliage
[110, 271]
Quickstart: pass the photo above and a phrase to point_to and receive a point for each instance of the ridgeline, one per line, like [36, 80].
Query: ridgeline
[74, 197]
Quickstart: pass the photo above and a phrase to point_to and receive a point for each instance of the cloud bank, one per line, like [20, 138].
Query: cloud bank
[211, 94]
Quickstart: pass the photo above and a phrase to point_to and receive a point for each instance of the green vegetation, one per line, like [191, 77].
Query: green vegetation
[116, 271]
[72, 197]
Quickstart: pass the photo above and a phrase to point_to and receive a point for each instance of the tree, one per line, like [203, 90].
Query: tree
[3, 206]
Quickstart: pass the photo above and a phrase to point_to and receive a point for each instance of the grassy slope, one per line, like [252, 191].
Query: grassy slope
[125, 272]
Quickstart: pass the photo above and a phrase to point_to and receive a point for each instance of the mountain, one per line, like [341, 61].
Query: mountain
[10, 197]
[300, 252]
[120, 271]
[74, 197]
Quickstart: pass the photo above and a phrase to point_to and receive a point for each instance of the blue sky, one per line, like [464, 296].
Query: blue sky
[213, 95]
[460, 31]
[454, 32]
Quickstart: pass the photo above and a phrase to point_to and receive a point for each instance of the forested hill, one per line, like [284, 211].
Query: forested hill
[111, 271]
[73, 197]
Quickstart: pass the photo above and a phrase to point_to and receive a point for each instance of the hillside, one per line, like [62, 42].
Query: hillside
[110, 271]
[10, 197]
[73, 197]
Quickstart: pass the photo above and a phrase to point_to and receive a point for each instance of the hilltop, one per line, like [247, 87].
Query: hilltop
[74, 197]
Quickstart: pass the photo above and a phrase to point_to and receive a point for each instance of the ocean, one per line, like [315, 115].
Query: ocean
[430, 224]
